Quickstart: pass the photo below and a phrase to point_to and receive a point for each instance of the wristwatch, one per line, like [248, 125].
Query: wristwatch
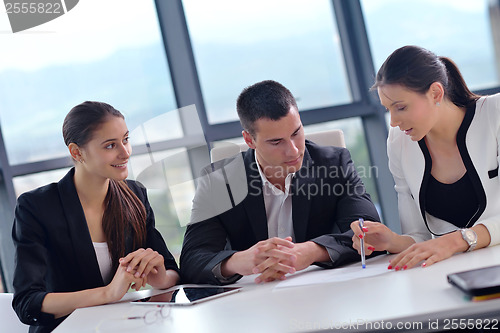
[470, 237]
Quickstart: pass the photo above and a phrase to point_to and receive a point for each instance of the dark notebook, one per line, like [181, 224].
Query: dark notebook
[479, 284]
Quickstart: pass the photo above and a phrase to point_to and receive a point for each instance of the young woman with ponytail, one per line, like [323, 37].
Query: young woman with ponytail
[87, 239]
[443, 151]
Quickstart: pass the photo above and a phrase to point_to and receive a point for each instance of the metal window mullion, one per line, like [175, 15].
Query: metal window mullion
[360, 71]
[184, 75]
[7, 204]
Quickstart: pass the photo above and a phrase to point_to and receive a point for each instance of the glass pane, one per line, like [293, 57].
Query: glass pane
[460, 29]
[239, 43]
[168, 177]
[92, 53]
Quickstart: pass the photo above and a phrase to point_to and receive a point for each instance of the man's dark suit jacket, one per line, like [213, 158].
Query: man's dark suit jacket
[54, 251]
[327, 195]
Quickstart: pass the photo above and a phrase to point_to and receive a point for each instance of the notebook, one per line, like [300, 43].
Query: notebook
[478, 284]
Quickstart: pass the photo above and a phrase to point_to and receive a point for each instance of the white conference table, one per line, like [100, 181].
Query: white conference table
[415, 299]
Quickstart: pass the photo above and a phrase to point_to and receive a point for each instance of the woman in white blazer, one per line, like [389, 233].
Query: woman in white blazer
[443, 152]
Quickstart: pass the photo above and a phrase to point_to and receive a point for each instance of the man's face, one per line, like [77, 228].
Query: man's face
[279, 144]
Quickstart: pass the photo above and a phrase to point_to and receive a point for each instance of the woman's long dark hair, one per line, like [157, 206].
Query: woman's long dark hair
[416, 68]
[123, 211]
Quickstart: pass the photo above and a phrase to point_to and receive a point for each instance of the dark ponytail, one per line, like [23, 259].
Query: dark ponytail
[122, 205]
[416, 68]
[123, 211]
[457, 91]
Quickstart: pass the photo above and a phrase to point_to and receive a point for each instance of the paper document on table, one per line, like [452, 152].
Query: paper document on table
[373, 268]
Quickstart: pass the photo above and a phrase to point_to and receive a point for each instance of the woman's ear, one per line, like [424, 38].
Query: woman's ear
[436, 91]
[75, 152]
[248, 139]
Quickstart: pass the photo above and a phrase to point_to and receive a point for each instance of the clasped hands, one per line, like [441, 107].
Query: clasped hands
[273, 258]
[137, 269]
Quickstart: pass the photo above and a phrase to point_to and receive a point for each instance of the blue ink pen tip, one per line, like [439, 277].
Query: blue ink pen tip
[364, 266]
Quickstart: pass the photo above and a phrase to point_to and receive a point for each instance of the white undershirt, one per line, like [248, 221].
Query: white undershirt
[278, 206]
[104, 261]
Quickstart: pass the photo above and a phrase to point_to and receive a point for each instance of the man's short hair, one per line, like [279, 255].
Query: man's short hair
[266, 99]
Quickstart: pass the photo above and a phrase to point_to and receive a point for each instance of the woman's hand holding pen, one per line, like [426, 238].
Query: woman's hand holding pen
[377, 236]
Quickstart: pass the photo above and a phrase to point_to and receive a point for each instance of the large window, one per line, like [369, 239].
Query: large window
[460, 29]
[238, 43]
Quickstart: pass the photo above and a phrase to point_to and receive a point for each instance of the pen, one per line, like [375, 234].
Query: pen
[363, 262]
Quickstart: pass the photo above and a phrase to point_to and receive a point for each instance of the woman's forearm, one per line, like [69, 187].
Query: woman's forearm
[62, 304]
[400, 243]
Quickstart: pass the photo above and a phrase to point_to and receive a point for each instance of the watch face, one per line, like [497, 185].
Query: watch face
[471, 235]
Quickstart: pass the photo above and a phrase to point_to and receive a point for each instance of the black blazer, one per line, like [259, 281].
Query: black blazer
[54, 251]
[327, 195]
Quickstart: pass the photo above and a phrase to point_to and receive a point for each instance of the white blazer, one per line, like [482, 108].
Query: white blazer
[410, 164]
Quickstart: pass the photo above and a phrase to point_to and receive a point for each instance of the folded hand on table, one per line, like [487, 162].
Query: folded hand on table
[148, 265]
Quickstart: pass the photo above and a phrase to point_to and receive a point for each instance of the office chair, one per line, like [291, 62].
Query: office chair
[8, 318]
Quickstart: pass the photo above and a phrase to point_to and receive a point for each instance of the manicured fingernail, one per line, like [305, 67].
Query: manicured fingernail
[258, 280]
[360, 236]
[136, 274]
[424, 264]
[405, 267]
[255, 270]
[365, 229]
[397, 268]
[143, 275]
[129, 269]
[371, 248]
[389, 267]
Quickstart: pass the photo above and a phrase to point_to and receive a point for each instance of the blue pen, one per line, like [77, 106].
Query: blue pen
[363, 262]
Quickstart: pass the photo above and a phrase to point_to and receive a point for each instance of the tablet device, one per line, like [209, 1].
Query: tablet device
[187, 295]
[477, 282]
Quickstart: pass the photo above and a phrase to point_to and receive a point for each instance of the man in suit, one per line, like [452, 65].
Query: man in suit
[291, 201]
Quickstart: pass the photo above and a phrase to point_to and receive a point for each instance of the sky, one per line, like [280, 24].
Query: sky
[61, 41]
[465, 5]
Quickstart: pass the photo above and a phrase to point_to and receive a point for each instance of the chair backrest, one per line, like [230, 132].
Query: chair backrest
[333, 137]
[8, 318]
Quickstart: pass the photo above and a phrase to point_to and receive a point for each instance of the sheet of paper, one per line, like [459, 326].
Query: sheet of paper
[375, 266]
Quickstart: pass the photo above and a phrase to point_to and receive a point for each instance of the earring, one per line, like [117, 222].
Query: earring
[438, 104]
